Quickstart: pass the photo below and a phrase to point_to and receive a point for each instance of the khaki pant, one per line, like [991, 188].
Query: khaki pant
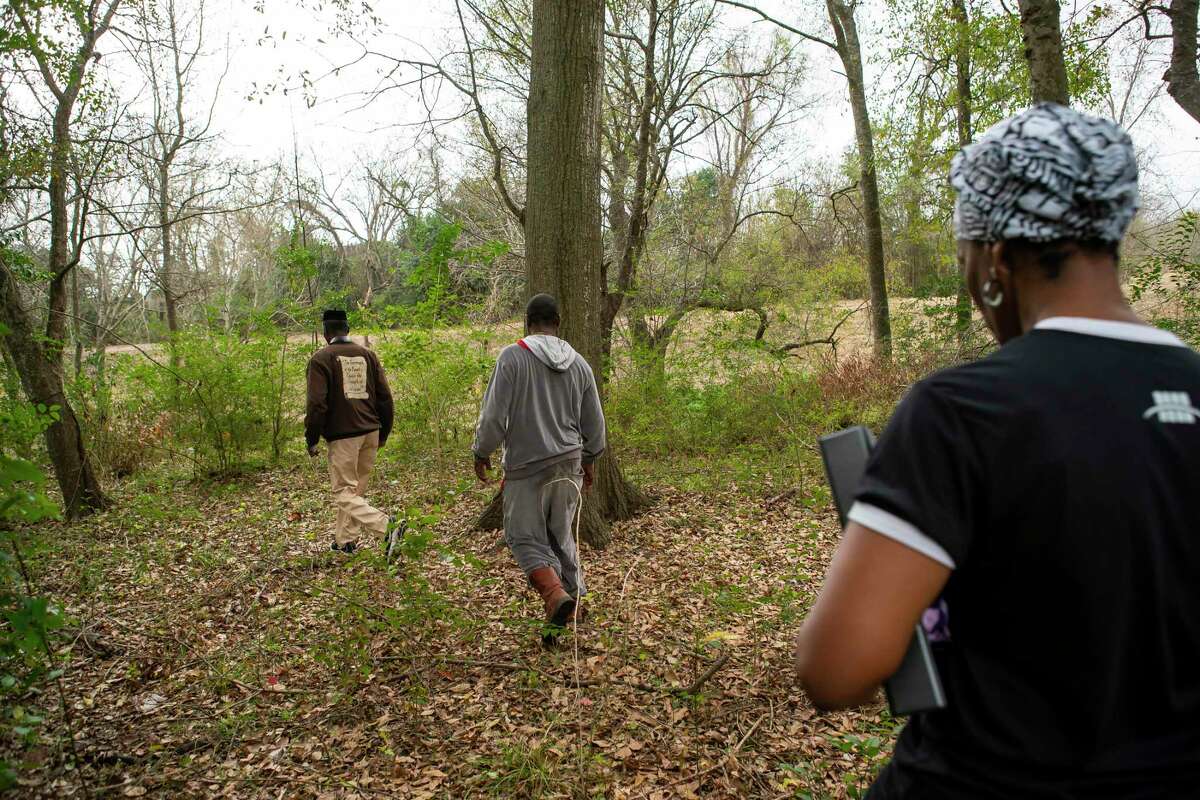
[350, 463]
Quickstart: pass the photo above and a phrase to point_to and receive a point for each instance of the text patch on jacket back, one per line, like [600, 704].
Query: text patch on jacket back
[354, 377]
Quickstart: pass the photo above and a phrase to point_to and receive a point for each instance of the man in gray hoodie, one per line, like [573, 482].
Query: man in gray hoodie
[543, 406]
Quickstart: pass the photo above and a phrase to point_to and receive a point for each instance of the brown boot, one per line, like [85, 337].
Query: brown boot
[559, 604]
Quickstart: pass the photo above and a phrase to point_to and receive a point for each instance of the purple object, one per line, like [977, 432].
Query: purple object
[936, 621]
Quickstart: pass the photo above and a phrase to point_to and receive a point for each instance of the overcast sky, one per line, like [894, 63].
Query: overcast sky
[258, 124]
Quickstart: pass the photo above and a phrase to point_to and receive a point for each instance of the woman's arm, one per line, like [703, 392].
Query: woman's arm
[855, 636]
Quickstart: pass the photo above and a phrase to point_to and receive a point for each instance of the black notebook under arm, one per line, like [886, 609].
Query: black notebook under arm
[916, 686]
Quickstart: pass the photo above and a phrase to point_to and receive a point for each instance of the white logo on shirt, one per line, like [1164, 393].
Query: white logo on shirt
[354, 377]
[1173, 407]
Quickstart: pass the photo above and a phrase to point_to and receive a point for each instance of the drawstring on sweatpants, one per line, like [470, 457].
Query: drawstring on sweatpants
[575, 614]
[578, 556]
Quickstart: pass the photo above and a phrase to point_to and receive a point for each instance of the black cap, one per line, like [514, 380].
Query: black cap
[541, 309]
[333, 315]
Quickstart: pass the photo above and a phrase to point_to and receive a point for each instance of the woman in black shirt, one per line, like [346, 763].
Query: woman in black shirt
[1045, 499]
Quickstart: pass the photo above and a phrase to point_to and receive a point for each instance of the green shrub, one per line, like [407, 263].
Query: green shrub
[437, 382]
[225, 399]
[26, 616]
[21, 423]
[748, 405]
[658, 412]
[121, 436]
[843, 278]
[1170, 274]
[926, 336]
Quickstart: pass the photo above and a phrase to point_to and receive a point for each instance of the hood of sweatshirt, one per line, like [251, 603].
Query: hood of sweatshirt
[550, 350]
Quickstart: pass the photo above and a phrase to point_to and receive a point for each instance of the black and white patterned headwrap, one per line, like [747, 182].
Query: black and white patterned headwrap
[1047, 173]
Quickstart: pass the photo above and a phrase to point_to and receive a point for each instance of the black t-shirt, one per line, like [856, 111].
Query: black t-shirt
[1060, 477]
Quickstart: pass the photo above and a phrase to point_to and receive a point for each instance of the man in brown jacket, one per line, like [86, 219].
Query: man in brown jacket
[350, 406]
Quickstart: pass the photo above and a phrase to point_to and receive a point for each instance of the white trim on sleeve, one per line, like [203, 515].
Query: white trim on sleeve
[891, 526]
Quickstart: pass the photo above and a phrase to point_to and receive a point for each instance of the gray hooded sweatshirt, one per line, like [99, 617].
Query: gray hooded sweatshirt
[542, 404]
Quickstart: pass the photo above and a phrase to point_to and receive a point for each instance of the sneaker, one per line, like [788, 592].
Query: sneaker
[348, 547]
[393, 537]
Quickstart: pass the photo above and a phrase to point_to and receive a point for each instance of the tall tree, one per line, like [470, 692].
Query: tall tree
[963, 107]
[672, 77]
[965, 70]
[1042, 31]
[661, 62]
[562, 213]
[563, 242]
[845, 29]
[849, 50]
[706, 216]
[60, 40]
[176, 176]
[1183, 77]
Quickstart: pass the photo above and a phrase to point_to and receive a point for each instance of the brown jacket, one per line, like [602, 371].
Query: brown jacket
[348, 394]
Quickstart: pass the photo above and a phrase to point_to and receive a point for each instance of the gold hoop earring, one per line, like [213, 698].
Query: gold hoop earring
[993, 296]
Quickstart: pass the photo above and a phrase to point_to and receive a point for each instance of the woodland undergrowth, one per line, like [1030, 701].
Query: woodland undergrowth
[206, 643]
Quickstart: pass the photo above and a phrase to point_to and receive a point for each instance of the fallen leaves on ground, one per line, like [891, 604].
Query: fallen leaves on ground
[232, 655]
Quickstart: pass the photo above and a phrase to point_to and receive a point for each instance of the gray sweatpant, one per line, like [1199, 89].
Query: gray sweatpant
[539, 520]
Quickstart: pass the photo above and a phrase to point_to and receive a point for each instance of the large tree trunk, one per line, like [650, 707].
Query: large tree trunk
[962, 70]
[841, 16]
[60, 256]
[1182, 77]
[1041, 29]
[40, 367]
[563, 246]
[39, 358]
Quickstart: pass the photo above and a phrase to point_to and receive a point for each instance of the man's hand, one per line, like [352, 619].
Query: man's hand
[589, 476]
[312, 450]
[482, 465]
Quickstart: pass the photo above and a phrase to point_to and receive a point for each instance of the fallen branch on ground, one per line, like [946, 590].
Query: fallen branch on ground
[779, 498]
[830, 340]
[708, 673]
